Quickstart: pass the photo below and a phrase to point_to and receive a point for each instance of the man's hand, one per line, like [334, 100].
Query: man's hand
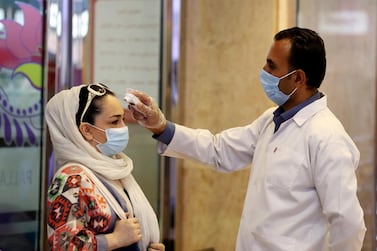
[147, 113]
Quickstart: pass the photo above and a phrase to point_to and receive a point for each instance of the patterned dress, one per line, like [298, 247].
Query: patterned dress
[78, 215]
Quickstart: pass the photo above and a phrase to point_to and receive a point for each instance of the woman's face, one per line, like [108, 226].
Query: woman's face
[111, 116]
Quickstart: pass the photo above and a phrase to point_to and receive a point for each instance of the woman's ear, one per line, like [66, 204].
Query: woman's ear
[85, 130]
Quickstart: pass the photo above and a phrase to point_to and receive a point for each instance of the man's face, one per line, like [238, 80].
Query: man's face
[277, 63]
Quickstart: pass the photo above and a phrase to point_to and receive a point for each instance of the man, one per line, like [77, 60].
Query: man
[302, 188]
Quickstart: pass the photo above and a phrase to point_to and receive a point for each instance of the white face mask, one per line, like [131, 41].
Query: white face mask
[117, 140]
[270, 85]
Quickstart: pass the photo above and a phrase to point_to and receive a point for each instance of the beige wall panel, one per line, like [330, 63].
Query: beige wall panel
[223, 48]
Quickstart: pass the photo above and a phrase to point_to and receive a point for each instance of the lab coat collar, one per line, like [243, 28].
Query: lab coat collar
[308, 111]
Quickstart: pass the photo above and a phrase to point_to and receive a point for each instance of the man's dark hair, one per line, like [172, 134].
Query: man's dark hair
[307, 53]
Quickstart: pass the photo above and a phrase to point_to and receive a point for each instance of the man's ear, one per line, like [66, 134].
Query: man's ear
[300, 77]
[85, 130]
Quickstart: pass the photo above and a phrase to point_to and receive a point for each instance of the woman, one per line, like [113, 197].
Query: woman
[94, 201]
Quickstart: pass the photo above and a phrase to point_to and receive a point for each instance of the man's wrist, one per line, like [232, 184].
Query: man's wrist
[167, 134]
[158, 129]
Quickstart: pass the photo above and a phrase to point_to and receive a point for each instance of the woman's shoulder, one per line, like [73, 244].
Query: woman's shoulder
[71, 180]
[72, 169]
[73, 175]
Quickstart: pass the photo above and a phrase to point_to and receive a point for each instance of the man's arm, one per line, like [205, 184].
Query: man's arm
[336, 184]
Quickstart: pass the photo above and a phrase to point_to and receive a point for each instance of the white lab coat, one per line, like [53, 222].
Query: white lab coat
[302, 187]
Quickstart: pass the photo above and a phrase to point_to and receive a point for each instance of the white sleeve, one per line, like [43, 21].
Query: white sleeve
[228, 151]
[336, 183]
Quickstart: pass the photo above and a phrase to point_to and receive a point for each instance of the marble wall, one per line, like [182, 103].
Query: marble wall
[223, 48]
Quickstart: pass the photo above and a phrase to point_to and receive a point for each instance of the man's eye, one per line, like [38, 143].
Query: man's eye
[271, 65]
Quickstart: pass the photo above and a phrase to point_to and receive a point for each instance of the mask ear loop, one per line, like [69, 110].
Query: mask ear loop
[96, 127]
[283, 77]
[293, 92]
[286, 75]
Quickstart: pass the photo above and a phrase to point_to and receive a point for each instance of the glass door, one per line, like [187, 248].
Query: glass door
[349, 30]
[21, 106]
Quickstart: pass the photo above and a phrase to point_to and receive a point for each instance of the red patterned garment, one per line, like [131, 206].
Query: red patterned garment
[77, 212]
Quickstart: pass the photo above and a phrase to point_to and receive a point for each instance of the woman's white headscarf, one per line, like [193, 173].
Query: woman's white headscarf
[70, 147]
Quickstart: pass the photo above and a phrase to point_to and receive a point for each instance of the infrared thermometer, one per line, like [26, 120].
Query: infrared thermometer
[131, 99]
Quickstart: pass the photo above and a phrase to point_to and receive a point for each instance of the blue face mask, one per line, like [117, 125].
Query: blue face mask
[117, 140]
[270, 85]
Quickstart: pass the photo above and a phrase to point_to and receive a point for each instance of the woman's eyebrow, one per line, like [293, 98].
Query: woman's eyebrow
[116, 116]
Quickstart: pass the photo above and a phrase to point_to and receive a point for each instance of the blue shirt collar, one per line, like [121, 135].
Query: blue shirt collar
[281, 116]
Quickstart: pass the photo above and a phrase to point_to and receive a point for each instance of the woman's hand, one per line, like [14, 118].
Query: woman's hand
[126, 232]
[156, 247]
